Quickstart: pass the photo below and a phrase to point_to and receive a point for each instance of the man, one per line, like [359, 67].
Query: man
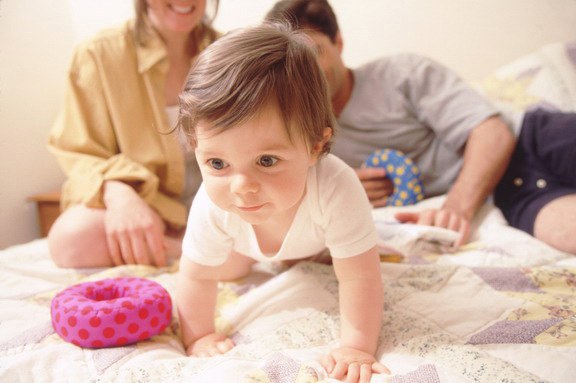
[412, 104]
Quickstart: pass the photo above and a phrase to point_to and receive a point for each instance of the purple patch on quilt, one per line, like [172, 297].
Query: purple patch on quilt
[416, 260]
[424, 374]
[281, 369]
[530, 72]
[242, 289]
[506, 279]
[31, 336]
[239, 338]
[571, 52]
[513, 332]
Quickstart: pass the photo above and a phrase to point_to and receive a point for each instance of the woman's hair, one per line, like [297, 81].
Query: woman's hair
[247, 70]
[202, 31]
[306, 14]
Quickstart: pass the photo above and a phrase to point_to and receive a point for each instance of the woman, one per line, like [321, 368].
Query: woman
[130, 182]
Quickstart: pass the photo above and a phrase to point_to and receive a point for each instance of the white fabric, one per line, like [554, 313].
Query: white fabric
[544, 79]
[193, 178]
[289, 319]
[332, 191]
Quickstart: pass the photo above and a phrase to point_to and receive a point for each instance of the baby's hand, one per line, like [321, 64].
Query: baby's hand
[210, 345]
[355, 365]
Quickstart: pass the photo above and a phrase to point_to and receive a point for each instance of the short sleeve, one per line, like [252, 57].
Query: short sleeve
[443, 101]
[208, 240]
[346, 213]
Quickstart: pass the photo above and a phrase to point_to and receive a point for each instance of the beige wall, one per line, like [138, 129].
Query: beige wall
[471, 36]
[35, 44]
[37, 37]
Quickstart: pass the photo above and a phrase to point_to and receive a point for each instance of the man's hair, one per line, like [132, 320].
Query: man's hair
[248, 69]
[316, 15]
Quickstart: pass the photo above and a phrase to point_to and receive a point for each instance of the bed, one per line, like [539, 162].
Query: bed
[500, 309]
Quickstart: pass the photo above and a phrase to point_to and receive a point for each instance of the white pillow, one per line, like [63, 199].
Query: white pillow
[544, 79]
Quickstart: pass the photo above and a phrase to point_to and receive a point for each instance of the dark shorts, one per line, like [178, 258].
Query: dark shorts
[542, 169]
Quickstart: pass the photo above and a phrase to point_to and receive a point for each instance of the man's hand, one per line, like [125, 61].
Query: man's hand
[210, 345]
[377, 186]
[357, 366]
[134, 231]
[443, 217]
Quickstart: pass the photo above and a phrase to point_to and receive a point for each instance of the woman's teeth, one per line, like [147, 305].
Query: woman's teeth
[182, 10]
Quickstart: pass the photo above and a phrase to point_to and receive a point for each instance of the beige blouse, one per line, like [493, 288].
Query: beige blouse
[113, 124]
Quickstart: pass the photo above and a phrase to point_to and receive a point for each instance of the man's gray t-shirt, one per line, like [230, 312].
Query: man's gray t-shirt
[412, 104]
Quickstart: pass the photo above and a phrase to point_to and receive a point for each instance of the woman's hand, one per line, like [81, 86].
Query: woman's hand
[357, 366]
[210, 345]
[134, 231]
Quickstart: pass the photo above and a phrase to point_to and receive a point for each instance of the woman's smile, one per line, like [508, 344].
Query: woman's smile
[182, 10]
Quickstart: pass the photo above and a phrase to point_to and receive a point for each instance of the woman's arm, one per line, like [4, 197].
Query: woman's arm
[84, 137]
[134, 230]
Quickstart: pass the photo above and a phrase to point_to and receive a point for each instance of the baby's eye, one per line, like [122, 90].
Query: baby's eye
[216, 163]
[267, 161]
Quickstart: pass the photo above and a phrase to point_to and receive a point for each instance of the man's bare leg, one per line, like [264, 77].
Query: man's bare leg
[556, 224]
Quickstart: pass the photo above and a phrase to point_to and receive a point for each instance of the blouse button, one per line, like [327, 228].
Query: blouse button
[518, 181]
[541, 183]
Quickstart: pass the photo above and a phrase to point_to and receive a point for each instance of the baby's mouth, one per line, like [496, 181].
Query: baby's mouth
[250, 208]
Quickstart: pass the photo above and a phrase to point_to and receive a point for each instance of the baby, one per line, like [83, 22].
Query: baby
[257, 111]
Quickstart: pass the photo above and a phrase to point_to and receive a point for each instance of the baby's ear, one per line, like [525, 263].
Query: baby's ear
[319, 147]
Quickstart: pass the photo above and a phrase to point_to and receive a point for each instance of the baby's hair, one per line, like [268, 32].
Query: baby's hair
[248, 69]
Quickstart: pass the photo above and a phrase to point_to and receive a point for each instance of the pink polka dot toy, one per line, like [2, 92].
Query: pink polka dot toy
[111, 312]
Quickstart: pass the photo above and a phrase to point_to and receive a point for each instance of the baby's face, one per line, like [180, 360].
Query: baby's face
[253, 169]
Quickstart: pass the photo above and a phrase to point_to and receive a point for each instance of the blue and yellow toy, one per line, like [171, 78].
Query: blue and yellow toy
[404, 174]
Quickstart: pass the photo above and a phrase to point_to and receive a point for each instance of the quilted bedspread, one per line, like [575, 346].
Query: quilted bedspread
[500, 309]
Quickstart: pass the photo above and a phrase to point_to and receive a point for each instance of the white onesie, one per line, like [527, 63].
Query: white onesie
[335, 213]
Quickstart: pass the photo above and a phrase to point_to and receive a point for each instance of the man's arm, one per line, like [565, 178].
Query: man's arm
[377, 186]
[486, 156]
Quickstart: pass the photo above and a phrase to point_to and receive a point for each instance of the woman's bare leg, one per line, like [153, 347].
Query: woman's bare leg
[78, 239]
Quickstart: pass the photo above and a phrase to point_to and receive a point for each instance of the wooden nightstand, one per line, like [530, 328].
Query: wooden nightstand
[48, 205]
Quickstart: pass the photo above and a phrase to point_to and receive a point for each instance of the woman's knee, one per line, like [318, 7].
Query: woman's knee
[63, 240]
[74, 236]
